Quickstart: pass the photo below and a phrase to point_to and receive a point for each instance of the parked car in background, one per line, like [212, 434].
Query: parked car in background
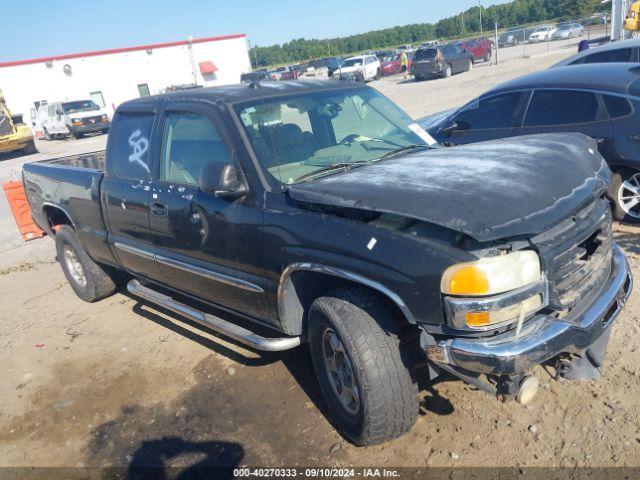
[75, 118]
[385, 55]
[322, 68]
[598, 100]
[431, 43]
[514, 37]
[542, 33]
[361, 68]
[481, 48]
[568, 30]
[277, 73]
[392, 65]
[319, 213]
[291, 73]
[442, 61]
[256, 76]
[622, 51]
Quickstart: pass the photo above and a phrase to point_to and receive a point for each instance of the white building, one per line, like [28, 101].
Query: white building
[110, 77]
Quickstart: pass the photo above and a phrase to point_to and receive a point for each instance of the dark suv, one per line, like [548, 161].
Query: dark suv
[598, 100]
[442, 61]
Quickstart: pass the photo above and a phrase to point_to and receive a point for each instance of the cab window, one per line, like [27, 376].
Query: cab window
[130, 145]
[189, 142]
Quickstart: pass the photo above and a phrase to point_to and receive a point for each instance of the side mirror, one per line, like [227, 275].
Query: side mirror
[222, 180]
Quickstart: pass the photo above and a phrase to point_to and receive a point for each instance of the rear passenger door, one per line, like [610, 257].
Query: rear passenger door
[125, 190]
[553, 111]
[206, 246]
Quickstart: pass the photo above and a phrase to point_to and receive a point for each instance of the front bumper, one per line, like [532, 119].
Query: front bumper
[89, 127]
[543, 337]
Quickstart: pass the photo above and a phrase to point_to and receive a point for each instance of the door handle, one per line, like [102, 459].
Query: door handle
[159, 208]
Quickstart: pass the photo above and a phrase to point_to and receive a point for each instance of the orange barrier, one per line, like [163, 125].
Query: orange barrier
[21, 211]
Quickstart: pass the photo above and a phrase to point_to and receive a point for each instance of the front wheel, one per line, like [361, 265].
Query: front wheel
[362, 365]
[624, 194]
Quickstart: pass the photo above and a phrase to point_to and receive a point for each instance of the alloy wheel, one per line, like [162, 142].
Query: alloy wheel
[629, 196]
[341, 375]
[74, 267]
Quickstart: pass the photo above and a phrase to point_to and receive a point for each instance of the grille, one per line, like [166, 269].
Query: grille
[5, 125]
[578, 257]
[92, 120]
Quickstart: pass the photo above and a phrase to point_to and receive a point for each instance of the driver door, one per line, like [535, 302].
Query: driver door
[206, 246]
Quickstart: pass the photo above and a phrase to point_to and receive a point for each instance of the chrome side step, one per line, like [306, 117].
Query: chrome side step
[223, 327]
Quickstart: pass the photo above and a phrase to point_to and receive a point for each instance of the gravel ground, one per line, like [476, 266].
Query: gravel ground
[117, 383]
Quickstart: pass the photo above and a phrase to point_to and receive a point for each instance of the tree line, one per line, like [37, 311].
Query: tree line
[467, 23]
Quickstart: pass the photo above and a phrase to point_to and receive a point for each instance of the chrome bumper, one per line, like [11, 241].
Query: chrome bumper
[542, 337]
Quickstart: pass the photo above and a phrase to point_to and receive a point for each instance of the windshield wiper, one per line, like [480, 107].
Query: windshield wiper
[346, 166]
[406, 148]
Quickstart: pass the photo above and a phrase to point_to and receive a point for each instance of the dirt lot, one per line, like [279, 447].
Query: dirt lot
[118, 384]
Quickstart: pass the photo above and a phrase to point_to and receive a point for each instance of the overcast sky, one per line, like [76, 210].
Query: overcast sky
[52, 27]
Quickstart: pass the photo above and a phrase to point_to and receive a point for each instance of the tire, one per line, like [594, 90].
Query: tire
[90, 281]
[378, 75]
[470, 67]
[47, 135]
[379, 366]
[418, 78]
[487, 57]
[31, 148]
[77, 135]
[617, 190]
[447, 71]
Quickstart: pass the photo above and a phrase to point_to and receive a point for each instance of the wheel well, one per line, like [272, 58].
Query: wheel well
[302, 287]
[56, 217]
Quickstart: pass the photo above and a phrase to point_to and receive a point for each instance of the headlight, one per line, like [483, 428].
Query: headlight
[76, 121]
[486, 279]
[491, 275]
[105, 118]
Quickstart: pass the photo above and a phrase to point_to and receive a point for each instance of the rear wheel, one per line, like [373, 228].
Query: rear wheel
[624, 194]
[363, 368]
[487, 57]
[447, 71]
[47, 135]
[470, 67]
[378, 74]
[89, 280]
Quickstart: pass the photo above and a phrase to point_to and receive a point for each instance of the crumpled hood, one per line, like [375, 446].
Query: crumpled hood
[489, 190]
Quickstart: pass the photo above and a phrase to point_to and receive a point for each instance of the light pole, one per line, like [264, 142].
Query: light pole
[480, 7]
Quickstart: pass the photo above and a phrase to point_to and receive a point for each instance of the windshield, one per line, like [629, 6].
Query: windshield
[79, 106]
[542, 29]
[352, 62]
[296, 136]
[564, 27]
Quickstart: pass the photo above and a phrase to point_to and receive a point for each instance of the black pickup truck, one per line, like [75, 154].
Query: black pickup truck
[320, 213]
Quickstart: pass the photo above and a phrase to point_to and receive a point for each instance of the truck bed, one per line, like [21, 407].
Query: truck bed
[67, 190]
[93, 161]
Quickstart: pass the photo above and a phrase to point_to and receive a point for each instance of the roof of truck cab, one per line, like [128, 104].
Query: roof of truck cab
[611, 77]
[246, 92]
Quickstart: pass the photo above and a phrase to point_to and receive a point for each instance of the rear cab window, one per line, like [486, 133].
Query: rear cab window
[129, 144]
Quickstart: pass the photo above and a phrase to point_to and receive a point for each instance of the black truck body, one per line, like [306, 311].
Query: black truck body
[273, 250]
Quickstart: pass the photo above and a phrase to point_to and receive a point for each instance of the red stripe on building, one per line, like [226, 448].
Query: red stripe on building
[95, 53]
